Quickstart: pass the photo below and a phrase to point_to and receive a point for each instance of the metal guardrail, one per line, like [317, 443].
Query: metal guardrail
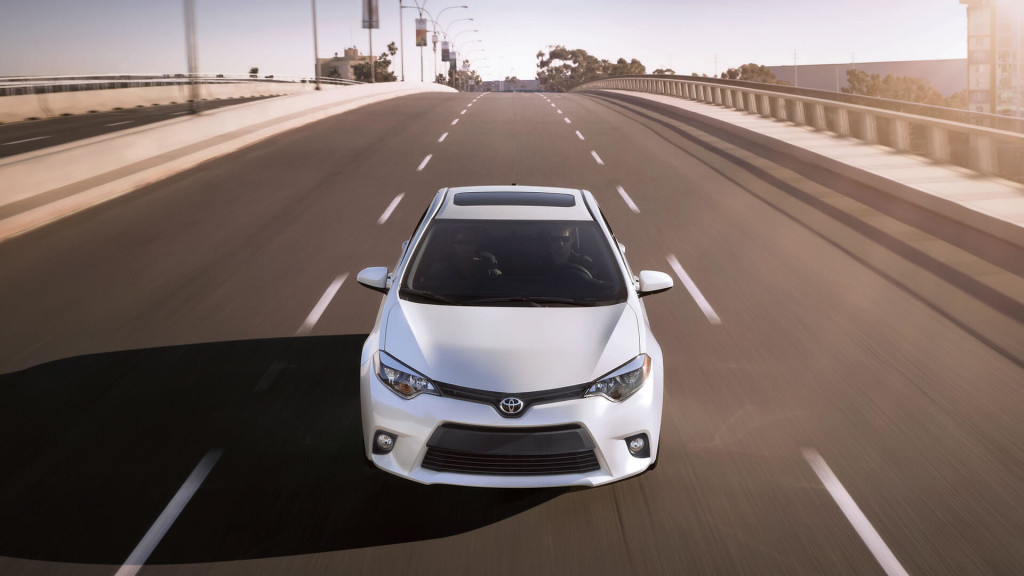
[26, 85]
[995, 151]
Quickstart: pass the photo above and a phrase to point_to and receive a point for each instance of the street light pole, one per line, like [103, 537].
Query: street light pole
[316, 51]
[401, 37]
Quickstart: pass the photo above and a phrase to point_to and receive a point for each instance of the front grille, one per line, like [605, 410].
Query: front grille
[494, 398]
[441, 460]
[511, 451]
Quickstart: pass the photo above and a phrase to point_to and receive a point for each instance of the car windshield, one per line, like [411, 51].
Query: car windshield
[514, 263]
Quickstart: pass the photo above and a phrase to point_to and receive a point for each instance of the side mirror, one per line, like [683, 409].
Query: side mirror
[652, 282]
[375, 278]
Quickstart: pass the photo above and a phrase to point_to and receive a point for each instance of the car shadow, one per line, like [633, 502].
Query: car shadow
[95, 447]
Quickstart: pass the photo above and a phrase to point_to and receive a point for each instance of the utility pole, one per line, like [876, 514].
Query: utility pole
[316, 51]
[190, 46]
[401, 37]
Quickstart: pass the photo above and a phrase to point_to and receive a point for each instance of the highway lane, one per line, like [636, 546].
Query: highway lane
[819, 350]
[21, 137]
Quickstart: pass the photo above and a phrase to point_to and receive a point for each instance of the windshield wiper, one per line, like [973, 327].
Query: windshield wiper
[538, 301]
[433, 297]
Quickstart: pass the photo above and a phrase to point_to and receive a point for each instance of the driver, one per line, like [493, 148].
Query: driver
[560, 252]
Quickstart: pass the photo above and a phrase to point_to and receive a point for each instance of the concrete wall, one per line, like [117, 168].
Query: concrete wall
[18, 108]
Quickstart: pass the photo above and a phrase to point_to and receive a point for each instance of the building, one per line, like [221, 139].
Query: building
[995, 32]
[343, 67]
[947, 76]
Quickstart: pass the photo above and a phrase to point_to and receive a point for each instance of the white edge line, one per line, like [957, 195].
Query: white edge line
[163, 523]
[860, 522]
[318, 310]
[454, 122]
[629, 201]
[580, 135]
[443, 136]
[597, 158]
[423, 164]
[391, 208]
[27, 140]
[709, 312]
[119, 123]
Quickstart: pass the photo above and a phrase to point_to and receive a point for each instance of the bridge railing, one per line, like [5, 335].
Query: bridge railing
[25, 85]
[995, 151]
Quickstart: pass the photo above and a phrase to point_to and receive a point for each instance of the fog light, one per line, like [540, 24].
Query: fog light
[638, 446]
[383, 442]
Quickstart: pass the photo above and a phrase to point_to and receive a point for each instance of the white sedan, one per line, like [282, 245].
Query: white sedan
[511, 348]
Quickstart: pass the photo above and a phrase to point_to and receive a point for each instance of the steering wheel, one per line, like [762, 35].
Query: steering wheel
[575, 269]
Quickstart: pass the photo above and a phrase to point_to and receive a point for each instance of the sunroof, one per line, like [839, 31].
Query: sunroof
[515, 199]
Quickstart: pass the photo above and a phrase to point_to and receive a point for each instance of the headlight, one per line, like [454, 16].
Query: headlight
[622, 382]
[401, 379]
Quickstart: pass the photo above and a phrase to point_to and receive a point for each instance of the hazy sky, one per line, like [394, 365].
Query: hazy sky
[55, 37]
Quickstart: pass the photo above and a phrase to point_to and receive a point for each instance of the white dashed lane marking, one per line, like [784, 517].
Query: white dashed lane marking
[860, 522]
[580, 135]
[709, 312]
[567, 121]
[629, 201]
[163, 522]
[443, 136]
[26, 140]
[597, 158]
[463, 112]
[454, 122]
[423, 164]
[321, 305]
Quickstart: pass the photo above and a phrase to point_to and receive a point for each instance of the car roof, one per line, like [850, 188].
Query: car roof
[514, 203]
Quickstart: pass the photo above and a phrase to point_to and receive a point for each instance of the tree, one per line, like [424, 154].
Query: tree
[382, 67]
[562, 69]
[667, 71]
[752, 73]
[254, 72]
[903, 88]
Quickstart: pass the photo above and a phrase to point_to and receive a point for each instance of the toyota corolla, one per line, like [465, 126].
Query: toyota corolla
[512, 348]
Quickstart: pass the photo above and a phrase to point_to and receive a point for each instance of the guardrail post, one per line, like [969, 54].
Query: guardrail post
[984, 155]
[938, 144]
[780, 109]
[869, 128]
[842, 122]
[798, 113]
[728, 98]
[819, 119]
[901, 135]
[718, 95]
[764, 107]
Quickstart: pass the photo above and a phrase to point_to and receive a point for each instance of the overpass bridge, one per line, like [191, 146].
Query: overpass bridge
[186, 289]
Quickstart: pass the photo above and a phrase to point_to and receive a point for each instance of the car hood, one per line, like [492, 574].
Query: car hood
[512, 349]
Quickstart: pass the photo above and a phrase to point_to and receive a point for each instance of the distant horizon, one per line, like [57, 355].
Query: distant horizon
[125, 37]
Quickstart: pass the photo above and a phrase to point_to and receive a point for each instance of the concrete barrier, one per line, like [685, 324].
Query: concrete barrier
[53, 104]
[47, 184]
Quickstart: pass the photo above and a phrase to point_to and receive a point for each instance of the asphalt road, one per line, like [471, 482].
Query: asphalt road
[21, 137]
[823, 415]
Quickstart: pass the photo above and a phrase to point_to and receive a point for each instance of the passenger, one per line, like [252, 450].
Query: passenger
[466, 261]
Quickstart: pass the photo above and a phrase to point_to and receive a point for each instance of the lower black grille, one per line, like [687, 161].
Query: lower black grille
[441, 460]
[510, 451]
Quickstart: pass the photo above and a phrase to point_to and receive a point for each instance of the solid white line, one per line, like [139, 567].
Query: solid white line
[28, 140]
[629, 201]
[179, 113]
[567, 121]
[860, 522]
[454, 122]
[314, 315]
[163, 523]
[463, 111]
[443, 136]
[424, 163]
[391, 208]
[580, 135]
[709, 312]
[597, 158]
[119, 123]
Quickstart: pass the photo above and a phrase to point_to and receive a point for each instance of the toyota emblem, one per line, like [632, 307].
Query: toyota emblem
[511, 405]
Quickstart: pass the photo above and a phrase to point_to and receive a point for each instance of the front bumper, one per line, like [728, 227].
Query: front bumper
[603, 427]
